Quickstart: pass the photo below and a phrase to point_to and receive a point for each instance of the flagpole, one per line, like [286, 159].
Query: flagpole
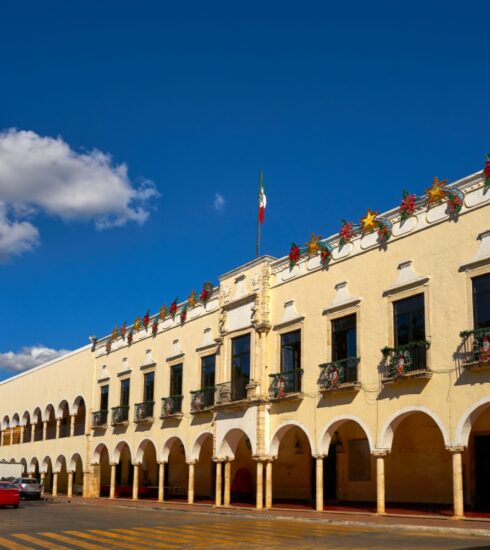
[257, 247]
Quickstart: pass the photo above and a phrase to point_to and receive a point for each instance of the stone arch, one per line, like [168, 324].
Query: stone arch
[23, 461]
[37, 416]
[76, 403]
[97, 452]
[168, 446]
[333, 425]
[140, 451]
[116, 454]
[386, 434]
[6, 422]
[281, 431]
[74, 461]
[48, 409]
[62, 407]
[26, 418]
[33, 464]
[198, 443]
[15, 420]
[230, 441]
[467, 420]
[45, 464]
[60, 461]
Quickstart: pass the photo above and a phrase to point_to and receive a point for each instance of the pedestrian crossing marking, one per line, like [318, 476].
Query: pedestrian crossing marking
[105, 537]
[69, 540]
[35, 540]
[137, 536]
[11, 545]
[132, 533]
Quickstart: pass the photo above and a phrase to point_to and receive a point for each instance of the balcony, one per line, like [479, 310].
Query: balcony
[405, 362]
[202, 400]
[143, 412]
[285, 385]
[340, 375]
[120, 415]
[171, 406]
[99, 419]
[476, 349]
[231, 392]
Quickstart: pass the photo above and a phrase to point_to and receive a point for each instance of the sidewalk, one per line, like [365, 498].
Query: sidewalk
[408, 522]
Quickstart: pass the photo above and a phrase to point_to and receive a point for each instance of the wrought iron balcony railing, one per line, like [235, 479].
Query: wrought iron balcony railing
[231, 391]
[285, 383]
[202, 399]
[340, 373]
[99, 419]
[120, 414]
[476, 347]
[143, 411]
[171, 405]
[408, 360]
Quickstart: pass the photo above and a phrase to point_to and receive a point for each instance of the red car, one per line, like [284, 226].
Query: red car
[9, 494]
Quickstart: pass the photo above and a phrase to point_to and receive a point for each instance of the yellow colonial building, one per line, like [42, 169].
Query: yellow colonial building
[355, 371]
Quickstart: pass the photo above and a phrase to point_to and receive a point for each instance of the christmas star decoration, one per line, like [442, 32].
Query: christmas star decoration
[369, 222]
[437, 192]
[313, 245]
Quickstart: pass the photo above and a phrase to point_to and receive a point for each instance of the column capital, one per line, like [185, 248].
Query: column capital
[319, 455]
[380, 453]
[70, 472]
[160, 462]
[136, 463]
[219, 459]
[456, 449]
[192, 462]
[114, 463]
[261, 458]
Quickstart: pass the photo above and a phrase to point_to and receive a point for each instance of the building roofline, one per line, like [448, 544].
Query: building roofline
[248, 265]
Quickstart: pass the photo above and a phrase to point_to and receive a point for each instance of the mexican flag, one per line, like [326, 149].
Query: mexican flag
[262, 199]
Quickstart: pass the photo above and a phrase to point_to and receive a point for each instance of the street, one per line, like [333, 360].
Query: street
[71, 525]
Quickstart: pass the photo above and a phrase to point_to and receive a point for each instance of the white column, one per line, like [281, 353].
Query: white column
[136, 469]
[319, 483]
[45, 429]
[380, 481]
[227, 495]
[69, 493]
[58, 424]
[190, 489]
[72, 425]
[22, 427]
[112, 489]
[219, 482]
[260, 486]
[268, 484]
[55, 484]
[458, 498]
[33, 432]
[161, 481]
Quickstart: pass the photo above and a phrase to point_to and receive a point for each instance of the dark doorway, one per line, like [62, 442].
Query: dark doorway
[482, 471]
[330, 474]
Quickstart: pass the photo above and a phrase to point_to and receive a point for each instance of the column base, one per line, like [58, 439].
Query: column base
[458, 517]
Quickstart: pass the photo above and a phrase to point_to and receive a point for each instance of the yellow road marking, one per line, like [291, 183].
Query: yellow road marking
[38, 541]
[158, 535]
[136, 535]
[259, 531]
[104, 538]
[123, 537]
[70, 540]
[182, 531]
[11, 545]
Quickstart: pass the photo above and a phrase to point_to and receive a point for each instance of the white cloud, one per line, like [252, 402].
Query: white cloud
[44, 174]
[15, 237]
[28, 357]
[219, 202]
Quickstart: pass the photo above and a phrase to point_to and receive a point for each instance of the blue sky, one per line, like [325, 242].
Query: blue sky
[342, 105]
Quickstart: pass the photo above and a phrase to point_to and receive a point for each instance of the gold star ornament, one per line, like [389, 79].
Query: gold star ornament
[369, 223]
[436, 193]
[313, 245]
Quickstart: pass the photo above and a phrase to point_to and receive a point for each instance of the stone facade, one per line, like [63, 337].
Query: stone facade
[345, 423]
